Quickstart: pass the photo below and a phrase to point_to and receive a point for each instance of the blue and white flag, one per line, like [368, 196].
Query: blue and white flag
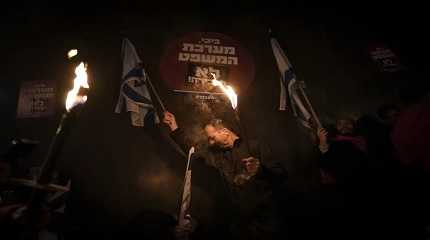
[289, 86]
[134, 94]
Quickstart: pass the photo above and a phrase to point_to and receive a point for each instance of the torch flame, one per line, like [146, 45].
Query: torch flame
[72, 53]
[81, 81]
[228, 90]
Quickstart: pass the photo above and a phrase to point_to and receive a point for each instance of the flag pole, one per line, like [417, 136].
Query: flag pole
[313, 113]
[163, 109]
[155, 94]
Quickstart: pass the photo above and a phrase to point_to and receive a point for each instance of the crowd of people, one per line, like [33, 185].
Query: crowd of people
[374, 173]
[377, 167]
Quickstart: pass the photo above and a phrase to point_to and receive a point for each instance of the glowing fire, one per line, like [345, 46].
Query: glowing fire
[72, 53]
[81, 81]
[228, 90]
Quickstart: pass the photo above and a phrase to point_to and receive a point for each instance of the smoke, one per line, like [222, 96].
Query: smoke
[203, 108]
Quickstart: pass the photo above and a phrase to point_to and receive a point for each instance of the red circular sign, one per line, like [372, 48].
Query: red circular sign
[188, 63]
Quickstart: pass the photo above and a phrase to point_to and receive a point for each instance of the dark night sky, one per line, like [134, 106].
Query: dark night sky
[401, 25]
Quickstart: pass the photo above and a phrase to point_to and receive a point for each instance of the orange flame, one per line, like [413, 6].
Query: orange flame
[81, 81]
[228, 90]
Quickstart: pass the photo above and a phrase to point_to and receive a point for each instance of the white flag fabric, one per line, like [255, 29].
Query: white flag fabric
[289, 86]
[134, 94]
[186, 194]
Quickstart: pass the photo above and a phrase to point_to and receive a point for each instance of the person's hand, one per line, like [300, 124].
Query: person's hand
[251, 165]
[183, 231]
[322, 135]
[170, 120]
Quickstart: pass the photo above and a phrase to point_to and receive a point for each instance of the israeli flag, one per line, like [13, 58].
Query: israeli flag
[134, 94]
[289, 91]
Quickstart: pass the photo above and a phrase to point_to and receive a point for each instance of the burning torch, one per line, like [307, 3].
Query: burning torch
[35, 212]
[75, 99]
[232, 96]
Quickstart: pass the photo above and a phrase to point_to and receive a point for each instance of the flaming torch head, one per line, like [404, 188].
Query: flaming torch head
[72, 53]
[228, 90]
[76, 96]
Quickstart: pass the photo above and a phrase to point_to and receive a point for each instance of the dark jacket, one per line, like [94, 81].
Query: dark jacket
[255, 202]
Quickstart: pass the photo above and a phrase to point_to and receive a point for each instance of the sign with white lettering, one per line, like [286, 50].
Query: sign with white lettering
[36, 99]
[189, 62]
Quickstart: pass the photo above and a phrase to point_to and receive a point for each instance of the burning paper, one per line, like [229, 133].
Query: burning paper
[228, 90]
[75, 96]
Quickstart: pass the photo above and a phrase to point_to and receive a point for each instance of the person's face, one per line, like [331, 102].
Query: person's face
[217, 137]
[345, 126]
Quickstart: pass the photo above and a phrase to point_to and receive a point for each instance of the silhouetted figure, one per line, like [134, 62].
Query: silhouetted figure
[254, 180]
